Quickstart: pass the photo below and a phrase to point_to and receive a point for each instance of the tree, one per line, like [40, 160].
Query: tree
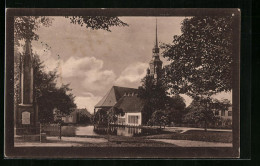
[159, 117]
[25, 27]
[201, 111]
[176, 109]
[97, 22]
[84, 117]
[48, 95]
[107, 116]
[113, 114]
[154, 95]
[101, 117]
[201, 57]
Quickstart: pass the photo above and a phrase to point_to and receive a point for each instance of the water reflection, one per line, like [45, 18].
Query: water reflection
[72, 130]
[124, 131]
[78, 131]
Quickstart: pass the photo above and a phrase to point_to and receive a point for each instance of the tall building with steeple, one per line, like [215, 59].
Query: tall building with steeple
[127, 99]
[155, 65]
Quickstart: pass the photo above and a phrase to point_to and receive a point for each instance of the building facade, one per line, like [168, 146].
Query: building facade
[126, 99]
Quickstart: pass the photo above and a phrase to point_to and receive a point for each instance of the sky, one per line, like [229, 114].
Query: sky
[92, 61]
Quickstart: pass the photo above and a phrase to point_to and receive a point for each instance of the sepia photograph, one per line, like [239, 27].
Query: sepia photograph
[116, 79]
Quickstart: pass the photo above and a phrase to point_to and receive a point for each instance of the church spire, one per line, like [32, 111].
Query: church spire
[155, 65]
[156, 48]
[156, 41]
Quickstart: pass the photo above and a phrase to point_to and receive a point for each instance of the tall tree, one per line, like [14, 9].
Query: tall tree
[48, 95]
[201, 57]
[154, 94]
[176, 109]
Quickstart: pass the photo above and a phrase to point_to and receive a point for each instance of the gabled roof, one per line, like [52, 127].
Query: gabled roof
[130, 104]
[113, 95]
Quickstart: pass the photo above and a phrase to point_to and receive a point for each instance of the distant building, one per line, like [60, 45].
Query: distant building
[224, 115]
[76, 116]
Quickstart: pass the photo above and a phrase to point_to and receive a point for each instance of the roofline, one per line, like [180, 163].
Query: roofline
[103, 106]
[124, 87]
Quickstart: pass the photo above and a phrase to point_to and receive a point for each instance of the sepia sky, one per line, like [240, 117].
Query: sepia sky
[94, 60]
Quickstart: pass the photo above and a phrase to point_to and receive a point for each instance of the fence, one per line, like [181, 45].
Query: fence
[51, 129]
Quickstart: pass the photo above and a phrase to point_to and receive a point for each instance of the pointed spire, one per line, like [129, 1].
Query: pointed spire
[156, 48]
[156, 41]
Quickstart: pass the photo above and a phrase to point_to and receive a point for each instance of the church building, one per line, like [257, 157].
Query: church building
[127, 99]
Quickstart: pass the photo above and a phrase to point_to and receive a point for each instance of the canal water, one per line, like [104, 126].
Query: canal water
[95, 131]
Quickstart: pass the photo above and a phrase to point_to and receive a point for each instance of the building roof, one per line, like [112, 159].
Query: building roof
[113, 95]
[130, 103]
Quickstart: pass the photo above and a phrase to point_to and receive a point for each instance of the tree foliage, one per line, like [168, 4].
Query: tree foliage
[160, 118]
[84, 117]
[201, 57]
[201, 110]
[97, 22]
[154, 95]
[25, 27]
[176, 109]
[113, 114]
[48, 95]
[101, 117]
[107, 116]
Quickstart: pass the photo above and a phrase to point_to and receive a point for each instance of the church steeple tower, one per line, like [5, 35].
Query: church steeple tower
[155, 64]
[156, 48]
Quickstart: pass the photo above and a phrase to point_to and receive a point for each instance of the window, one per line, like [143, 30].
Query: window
[229, 113]
[223, 113]
[133, 119]
[216, 112]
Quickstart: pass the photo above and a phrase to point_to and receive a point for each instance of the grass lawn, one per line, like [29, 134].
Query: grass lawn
[114, 141]
[195, 135]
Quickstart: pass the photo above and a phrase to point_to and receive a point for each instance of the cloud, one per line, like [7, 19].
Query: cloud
[132, 75]
[87, 74]
[87, 101]
[75, 67]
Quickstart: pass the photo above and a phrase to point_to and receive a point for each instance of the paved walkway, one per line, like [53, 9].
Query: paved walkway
[38, 144]
[188, 143]
[184, 129]
[77, 139]
[64, 142]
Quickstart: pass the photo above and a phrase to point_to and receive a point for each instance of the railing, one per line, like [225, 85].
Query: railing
[51, 129]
